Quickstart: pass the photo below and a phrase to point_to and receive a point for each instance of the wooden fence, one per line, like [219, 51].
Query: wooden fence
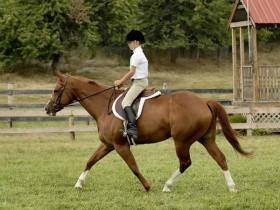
[78, 114]
[10, 114]
[10, 93]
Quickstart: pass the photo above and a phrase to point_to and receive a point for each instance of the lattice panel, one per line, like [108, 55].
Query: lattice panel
[264, 117]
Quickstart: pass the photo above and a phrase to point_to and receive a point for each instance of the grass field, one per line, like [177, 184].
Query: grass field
[39, 172]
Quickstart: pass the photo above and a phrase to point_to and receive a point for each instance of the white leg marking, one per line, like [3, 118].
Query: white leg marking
[170, 182]
[81, 180]
[230, 182]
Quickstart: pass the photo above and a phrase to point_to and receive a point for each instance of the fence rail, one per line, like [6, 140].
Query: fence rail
[82, 115]
[76, 113]
[47, 91]
[11, 92]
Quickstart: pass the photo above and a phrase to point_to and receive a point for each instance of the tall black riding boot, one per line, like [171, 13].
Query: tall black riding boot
[131, 125]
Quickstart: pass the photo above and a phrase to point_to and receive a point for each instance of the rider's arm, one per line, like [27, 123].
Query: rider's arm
[127, 76]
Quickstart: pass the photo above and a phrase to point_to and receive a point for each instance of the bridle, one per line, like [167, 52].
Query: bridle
[58, 105]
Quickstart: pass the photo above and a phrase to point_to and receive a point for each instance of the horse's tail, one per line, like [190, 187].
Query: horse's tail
[218, 111]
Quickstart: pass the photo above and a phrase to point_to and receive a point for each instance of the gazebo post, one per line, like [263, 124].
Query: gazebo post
[242, 61]
[234, 65]
[256, 94]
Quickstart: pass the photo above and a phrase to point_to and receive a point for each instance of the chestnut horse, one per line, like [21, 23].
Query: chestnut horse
[181, 115]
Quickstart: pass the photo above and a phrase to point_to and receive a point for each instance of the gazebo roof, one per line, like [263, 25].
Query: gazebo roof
[262, 12]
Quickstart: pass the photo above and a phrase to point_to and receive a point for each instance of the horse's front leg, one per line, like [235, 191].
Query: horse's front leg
[127, 156]
[101, 152]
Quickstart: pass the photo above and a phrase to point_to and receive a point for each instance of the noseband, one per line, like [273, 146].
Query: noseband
[57, 105]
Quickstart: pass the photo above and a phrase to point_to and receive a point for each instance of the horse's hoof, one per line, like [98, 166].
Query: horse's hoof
[166, 189]
[147, 188]
[78, 186]
[232, 189]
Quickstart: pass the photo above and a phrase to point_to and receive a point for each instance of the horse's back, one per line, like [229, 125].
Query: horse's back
[191, 116]
[178, 113]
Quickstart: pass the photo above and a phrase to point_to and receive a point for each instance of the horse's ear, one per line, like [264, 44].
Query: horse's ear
[58, 74]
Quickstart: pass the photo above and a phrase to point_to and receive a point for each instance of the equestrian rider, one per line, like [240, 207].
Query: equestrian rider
[138, 74]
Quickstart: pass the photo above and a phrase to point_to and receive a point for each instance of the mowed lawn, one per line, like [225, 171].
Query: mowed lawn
[39, 172]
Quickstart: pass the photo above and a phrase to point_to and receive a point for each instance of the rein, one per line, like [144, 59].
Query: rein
[94, 94]
[110, 100]
[59, 106]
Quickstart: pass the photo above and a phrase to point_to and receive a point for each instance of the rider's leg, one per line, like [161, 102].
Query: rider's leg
[131, 125]
[136, 88]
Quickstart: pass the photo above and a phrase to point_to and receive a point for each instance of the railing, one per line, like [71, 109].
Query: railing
[12, 92]
[75, 113]
[247, 83]
[269, 83]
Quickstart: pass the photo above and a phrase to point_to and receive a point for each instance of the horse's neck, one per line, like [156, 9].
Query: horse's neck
[96, 105]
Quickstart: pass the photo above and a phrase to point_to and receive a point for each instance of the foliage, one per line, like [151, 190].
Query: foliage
[170, 27]
[43, 29]
[237, 118]
[115, 18]
[184, 23]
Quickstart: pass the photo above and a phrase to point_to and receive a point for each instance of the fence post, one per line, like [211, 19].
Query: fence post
[249, 121]
[71, 126]
[10, 122]
[10, 95]
[164, 87]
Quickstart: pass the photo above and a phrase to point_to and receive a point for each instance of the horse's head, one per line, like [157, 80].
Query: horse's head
[61, 95]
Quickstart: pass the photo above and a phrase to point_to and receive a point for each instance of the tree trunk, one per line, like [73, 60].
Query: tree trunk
[55, 62]
[219, 56]
[173, 55]
[197, 54]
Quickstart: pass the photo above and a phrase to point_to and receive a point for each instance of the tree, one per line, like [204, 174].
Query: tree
[115, 18]
[209, 25]
[197, 24]
[44, 30]
[166, 23]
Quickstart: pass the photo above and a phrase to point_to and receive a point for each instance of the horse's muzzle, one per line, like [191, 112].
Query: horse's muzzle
[50, 109]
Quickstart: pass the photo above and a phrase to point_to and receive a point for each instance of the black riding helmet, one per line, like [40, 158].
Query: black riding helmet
[135, 35]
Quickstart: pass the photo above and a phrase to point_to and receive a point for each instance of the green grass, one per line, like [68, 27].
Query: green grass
[44, 124]
[39, 172]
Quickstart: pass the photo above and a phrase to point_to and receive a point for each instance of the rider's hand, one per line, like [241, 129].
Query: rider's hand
[118, 83]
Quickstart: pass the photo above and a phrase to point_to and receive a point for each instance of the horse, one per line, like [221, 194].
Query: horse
[181, 115]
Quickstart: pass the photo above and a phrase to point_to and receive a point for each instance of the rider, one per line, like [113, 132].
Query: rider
[138, 74]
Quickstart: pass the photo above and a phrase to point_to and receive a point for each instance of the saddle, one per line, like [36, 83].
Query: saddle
[137, 105]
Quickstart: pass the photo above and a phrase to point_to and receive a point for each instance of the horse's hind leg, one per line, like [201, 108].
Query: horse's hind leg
[182, 151]
[209, 143]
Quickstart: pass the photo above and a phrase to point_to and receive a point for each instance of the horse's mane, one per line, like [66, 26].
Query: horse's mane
[89, 81]
[92, 82]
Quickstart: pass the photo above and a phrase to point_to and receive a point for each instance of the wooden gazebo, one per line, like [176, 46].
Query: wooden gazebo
[253, 83]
